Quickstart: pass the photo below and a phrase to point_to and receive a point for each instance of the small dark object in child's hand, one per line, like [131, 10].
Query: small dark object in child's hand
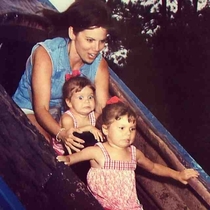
[88, 137]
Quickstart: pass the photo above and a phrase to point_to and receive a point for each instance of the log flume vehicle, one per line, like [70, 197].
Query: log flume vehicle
[30, 176]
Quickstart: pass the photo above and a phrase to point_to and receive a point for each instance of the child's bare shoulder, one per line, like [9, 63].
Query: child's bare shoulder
[66, 118]
[93, 151]
[94, 148]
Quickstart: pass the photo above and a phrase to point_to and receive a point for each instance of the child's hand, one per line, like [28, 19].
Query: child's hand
[65, 159]
[187, 174]
[97, 134]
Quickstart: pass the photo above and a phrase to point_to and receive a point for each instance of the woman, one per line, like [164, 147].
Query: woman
[86, 25]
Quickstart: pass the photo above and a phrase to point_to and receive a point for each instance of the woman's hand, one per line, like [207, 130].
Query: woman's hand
[72, 142]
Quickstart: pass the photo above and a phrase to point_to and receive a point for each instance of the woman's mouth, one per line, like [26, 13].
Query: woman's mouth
[92, 55]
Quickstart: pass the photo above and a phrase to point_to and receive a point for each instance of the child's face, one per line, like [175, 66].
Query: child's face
[121, 132]
[82, 102]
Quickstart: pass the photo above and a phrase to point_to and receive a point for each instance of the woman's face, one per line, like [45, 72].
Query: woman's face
[89, 43]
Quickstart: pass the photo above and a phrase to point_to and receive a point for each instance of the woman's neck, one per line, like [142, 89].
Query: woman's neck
[75, 60]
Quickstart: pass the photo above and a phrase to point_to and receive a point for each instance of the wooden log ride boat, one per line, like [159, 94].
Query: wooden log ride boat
[30, 176]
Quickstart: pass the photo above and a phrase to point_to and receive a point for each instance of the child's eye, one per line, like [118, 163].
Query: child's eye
[121, 128]
[80, 97]
[132, 129]
[91, 97]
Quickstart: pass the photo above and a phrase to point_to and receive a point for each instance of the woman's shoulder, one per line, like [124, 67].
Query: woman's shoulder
[52, 44]
[55, 42]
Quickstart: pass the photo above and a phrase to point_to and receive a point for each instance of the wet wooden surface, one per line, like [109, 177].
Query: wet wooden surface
[29, 168]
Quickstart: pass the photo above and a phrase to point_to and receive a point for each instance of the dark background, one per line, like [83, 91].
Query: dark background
[169, 69]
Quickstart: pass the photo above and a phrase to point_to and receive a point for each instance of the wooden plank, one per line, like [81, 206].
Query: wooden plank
[29, 167]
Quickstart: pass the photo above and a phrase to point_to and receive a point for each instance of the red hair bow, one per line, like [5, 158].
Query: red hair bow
[74, 74]
[113, 100]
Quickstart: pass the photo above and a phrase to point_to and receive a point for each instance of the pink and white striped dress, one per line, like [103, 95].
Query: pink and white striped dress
[58, 147]
[114, 185]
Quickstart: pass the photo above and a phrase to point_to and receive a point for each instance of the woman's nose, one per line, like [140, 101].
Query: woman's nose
[98, 46]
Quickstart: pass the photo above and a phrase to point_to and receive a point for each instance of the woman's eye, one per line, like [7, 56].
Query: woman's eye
[90, 40]
[104, 41]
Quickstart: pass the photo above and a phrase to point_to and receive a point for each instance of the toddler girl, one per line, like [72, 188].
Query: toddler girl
[111, 178]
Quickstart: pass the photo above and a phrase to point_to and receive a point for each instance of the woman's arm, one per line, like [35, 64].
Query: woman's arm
[165, 171]
[101, 86]
[41, 90]
[41, 93]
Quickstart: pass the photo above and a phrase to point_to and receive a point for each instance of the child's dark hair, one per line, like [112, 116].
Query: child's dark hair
[115, 111]
[73, 85]
[81, 15]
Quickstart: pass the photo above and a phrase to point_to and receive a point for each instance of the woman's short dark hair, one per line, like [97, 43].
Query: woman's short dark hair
[81, 15]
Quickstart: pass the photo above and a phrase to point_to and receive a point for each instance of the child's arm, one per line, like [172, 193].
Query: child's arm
[160, 170]
[89, 153]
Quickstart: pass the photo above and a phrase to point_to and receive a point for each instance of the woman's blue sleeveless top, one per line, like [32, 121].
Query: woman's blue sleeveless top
[57, 49]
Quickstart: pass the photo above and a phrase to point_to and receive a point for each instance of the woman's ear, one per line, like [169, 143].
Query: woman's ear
[105, 130]
[68, 103]
[71, 33]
